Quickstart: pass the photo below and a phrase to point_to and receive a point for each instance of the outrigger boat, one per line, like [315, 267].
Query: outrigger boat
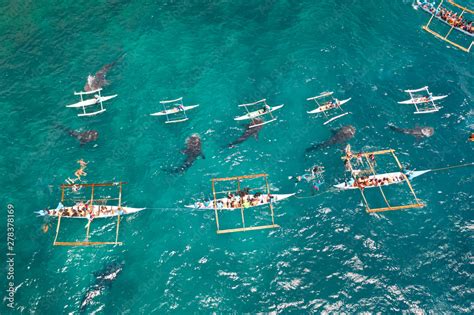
[241, 199]
[326, 102]
[429, 8]
[368, 178]
[434, 15]
[423, 104]
[94, 208]
[96, 101]
[265, 110]
[178, 108]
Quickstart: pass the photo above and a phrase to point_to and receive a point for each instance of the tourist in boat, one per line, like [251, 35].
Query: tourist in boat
[254, 202]
[266, 108]
[180, 107]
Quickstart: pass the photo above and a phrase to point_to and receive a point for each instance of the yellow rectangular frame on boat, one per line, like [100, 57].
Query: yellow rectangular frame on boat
[87, 242]
[445, 37]
[417, 204]
[243, 228]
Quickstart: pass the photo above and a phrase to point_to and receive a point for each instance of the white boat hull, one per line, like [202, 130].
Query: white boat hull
[258, 113]
[421, 100]
[324, 108]
[91, 101]
[395, 178]
[263, 201]
[173, 111]
[97, 210]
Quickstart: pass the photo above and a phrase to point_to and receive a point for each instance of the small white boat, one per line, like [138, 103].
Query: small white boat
[79, 212]
[92, 101]
[328, 106]
[97, 100]
[173, 107]
[423, 104]
[174, 110]
[421, 100]
[378, 180]
[258, 113]
[223, 203]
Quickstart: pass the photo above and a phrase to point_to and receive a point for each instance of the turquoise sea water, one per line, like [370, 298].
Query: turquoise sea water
[329, 254]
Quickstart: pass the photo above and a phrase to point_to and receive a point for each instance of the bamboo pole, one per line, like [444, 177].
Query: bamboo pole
[380, 187]
[396, 160]
[251, 228]
[353, 156]
[460, 6]
[411, 187]
[57, 229]
[415, 205]
[120, 197]
[433, 15]
[365, 200]
[215, 205]
[238, 177]
[117, 230]
[270, 203]
[241, 205]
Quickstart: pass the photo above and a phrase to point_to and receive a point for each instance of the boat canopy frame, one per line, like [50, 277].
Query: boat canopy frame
[427, 28]
[65, 187]
[355, 173]
[244, 228]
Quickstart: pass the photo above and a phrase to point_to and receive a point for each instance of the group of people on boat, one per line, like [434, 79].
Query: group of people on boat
[241, 199]
[450, 17]
[331, 104]
[364, 181]
[423, 99]
[81, 209]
